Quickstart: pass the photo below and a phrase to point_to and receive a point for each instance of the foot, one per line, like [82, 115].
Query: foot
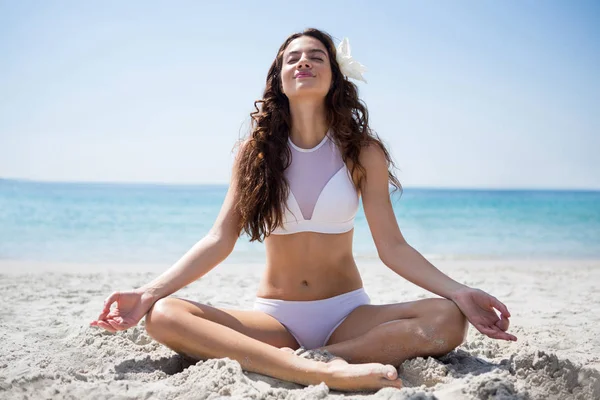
[287, 349]
[353, 377]
[340, 375]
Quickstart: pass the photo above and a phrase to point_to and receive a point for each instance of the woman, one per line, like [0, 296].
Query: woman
[296, 184]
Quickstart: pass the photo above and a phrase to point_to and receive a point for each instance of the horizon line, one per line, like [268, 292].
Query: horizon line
[225, 184]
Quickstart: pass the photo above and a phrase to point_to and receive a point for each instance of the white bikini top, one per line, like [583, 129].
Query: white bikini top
[322, 196]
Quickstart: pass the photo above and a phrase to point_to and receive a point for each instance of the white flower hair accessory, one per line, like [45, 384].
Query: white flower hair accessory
[349, 66]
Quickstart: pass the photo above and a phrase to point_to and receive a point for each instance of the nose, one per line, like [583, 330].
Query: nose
[303, 62]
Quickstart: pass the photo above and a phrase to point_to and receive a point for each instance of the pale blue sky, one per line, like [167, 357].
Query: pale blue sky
[486, 94]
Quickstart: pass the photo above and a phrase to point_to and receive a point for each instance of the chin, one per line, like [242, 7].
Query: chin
[305, 93]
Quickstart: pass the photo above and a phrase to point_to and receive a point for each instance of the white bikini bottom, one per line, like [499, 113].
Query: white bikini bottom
[313, 322]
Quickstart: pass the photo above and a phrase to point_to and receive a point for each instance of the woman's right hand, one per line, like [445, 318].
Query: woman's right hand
[131, 308]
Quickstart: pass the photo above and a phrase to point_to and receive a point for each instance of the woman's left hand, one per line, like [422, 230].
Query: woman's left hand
[478, 307]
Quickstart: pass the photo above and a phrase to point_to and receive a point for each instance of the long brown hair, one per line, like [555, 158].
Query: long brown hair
[261, 184]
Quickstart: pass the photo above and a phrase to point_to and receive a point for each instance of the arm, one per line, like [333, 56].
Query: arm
[399, 256]
[204, 255]
[392, 248]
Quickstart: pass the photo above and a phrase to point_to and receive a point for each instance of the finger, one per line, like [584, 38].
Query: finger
[498, 305]
[105, 310]
[503, 323]
[116, 326]
[506, 336]
[107, 303]
[116, 320]
[485, 330]
[498, 335]
[495, 333]
[106, 326]
[113, 315]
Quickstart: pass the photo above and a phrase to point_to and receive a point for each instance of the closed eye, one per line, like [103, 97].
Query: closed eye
[291, 61]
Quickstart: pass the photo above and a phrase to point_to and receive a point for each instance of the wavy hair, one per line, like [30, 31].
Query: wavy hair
[264, 155]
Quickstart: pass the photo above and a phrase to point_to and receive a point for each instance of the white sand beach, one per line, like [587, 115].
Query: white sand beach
[50, 351]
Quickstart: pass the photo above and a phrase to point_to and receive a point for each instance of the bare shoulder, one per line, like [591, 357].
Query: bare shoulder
[372, 156]
[373, 161]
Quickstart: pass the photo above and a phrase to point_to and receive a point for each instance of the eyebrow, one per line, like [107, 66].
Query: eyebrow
[310, 51]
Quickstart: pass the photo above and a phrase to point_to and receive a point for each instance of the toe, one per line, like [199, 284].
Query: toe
[395, 383]
[287, 349]
[390, 372]
[391, 377]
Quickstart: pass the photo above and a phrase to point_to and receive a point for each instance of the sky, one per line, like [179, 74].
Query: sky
[465, 94]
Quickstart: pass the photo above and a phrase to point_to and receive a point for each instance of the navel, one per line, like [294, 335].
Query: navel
[304, 283]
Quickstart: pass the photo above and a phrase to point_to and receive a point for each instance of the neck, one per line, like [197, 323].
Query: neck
[309, 123]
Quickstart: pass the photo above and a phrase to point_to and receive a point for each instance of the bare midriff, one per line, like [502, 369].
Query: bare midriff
[309, 266]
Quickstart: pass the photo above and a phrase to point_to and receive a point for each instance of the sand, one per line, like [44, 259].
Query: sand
[49, 350]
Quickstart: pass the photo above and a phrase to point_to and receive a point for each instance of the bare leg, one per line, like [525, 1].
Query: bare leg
[391, 334]
[186, 327]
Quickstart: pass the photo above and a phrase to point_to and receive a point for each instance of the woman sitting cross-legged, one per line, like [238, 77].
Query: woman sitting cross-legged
[296, 185]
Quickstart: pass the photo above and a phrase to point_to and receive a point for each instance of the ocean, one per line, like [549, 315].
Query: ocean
[147, 223]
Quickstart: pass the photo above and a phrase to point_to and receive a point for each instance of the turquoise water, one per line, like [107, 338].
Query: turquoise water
[82, 222]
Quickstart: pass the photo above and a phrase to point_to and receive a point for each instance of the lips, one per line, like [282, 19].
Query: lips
[304, 75]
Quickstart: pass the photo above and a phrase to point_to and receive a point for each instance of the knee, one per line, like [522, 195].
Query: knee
[449, 323]
[160, 317]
